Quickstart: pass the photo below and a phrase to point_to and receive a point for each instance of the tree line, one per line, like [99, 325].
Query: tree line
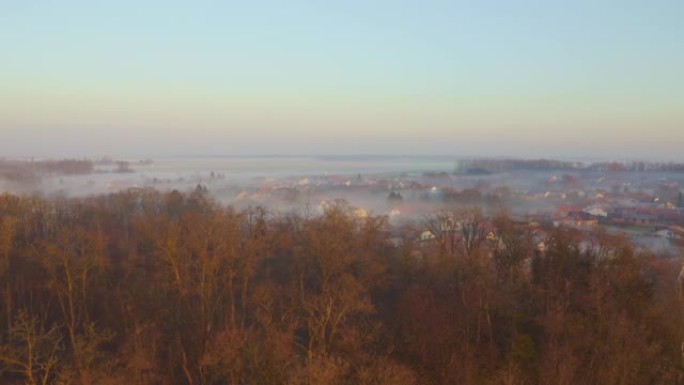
[484, 166]
[144, 287]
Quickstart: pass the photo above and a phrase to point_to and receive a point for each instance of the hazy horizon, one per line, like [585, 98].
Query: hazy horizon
[591, 79]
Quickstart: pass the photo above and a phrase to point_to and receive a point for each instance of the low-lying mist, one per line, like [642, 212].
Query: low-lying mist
[638, 199]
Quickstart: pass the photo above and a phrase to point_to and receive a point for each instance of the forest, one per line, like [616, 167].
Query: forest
[145, 287]
[506, 165]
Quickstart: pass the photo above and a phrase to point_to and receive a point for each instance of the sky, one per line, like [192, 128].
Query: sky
[546, 78]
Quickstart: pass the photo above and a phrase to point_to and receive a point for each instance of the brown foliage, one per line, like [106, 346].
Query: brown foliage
[149, 288]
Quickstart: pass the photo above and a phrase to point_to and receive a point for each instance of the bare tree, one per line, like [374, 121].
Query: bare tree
[33, 350]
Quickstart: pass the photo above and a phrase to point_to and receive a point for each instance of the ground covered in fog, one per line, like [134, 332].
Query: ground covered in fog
[640, 200]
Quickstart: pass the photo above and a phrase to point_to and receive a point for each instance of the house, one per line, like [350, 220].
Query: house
[635, 216]
[596, 211]
[541, 247]
[426, 235]
[580, 220]
[361, 213]
[677, 232]
[667, 233]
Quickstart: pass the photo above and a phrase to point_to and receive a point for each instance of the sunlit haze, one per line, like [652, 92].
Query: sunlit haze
[493, 78]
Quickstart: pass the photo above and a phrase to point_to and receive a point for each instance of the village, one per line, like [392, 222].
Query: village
[646, 208]
[643, 202]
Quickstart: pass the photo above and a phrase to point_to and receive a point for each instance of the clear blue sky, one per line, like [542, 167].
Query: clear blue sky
[522, 78]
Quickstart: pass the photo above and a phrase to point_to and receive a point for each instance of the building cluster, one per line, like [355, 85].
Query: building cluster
[646, 207]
